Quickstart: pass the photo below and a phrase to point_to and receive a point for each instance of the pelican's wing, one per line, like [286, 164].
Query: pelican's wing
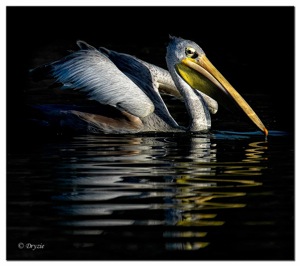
[139, 72]
[93, 73]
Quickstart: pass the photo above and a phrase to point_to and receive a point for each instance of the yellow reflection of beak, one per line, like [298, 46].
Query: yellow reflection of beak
[207, 69]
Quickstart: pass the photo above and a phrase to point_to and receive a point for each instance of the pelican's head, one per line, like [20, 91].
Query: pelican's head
[178, 49]
[194, 67]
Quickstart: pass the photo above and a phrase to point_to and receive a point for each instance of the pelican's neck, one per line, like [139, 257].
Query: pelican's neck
[196, 106]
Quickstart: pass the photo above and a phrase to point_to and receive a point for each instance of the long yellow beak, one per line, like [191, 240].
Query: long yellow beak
[207, 69]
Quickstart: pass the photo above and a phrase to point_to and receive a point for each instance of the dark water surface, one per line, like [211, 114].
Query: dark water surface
[218, 196]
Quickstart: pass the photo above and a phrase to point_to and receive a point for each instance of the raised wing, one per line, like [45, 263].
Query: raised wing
[90, 71]
[139, 72]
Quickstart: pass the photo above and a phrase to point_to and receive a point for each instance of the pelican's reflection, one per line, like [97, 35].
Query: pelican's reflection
[256, 152]
[173, 181]
[204, 178]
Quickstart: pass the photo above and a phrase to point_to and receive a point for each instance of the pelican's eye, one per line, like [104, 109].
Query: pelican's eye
[191, 52]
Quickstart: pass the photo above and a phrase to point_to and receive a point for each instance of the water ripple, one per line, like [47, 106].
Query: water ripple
[175, 181]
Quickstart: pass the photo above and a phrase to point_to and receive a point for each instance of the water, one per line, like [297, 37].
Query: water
[219, 196]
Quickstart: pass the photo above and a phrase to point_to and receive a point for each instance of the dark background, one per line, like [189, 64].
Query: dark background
[253, 47]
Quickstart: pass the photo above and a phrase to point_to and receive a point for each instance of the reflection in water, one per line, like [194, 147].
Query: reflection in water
[175, 182]
[255, 152]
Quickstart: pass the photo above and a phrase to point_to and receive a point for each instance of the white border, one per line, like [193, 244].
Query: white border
[148, 3]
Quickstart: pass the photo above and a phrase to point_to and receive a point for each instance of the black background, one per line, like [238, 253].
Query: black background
[253, 47]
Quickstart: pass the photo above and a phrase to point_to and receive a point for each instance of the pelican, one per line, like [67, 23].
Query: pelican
[129, 89]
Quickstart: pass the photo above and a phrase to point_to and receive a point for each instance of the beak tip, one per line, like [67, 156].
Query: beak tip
[266, 132]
